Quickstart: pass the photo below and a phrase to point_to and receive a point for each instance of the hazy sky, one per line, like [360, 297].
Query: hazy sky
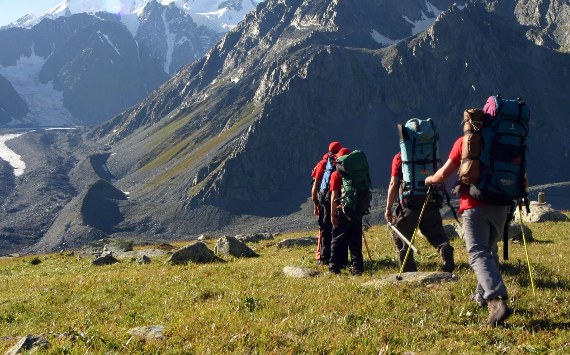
[11, 10]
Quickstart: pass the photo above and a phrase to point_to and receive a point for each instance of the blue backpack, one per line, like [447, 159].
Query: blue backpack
[504, 152]
[419, 146]
[324, 191]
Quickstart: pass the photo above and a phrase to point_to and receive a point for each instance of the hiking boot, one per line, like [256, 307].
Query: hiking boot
[446, 252]
[498, 312]
[478, 299]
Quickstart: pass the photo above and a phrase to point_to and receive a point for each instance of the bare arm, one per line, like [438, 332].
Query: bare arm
[442, 174]
[315, 195]
[334, 195]
[392, 194]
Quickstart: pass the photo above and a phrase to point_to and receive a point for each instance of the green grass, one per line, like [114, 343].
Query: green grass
[247, 306]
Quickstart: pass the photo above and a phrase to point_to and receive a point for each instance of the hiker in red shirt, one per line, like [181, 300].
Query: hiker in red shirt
[321, 199]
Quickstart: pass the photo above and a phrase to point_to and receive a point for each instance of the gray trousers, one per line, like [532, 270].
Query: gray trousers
[483, 228]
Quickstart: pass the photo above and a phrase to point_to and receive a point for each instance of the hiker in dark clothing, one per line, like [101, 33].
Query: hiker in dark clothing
[406, 219]
[346, 233]
[321, 198]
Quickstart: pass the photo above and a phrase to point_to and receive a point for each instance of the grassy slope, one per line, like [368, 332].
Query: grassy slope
[247, 306]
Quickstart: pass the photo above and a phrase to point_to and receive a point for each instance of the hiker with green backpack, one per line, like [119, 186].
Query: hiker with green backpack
[486, 195]
[350, 201]
[418, 158]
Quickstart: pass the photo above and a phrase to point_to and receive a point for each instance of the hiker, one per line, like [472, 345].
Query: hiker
[483, 203]
[350, 201]
[320, 195]
[406, 187]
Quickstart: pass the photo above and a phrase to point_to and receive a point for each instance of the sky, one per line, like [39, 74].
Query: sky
[11, 10]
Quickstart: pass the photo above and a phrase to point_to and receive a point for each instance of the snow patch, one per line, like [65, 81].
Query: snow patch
[15, 160]
[45, 103]
[170, 39]
[109, 41]
[425, 22]
[379, 38]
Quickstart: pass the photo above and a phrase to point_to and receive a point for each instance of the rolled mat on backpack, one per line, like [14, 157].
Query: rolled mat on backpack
[470, 168]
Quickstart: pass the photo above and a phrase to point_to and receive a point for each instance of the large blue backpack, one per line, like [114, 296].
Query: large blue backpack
[419, 146]
[324, 190]
[504, 152]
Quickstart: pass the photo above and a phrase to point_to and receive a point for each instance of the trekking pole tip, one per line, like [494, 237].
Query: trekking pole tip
[399, 278]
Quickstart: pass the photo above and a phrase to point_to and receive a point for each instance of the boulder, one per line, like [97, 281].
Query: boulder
[151, 332]
[299, 272]
[29, 344]
[254, 238]
[298, 242]
[143, 259]
[541, 213]
[515, 232]
[415, 278]
[231, 246]
[197, 252]
[107, 259]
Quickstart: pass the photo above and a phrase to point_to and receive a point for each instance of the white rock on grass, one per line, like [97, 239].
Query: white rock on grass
[151, 332]
[299, 272]
[541, 213]
[412, 278]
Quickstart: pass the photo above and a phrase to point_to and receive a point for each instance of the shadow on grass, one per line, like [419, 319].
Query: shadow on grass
[547, 280]
[546, 325]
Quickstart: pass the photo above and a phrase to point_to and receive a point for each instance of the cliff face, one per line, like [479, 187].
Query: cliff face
[231, 139]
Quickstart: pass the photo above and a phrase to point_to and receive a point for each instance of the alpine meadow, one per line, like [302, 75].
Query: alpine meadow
[285, 177]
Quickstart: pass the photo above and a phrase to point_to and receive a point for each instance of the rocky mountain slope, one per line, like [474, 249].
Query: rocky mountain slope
[230, 140]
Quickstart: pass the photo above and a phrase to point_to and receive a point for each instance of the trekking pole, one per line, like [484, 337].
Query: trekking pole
[318, 251]
[401, 236]
[526, 250]
[399, 277]
[366, 244]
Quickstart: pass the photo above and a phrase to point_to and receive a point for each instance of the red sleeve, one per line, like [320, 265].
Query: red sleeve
[336, 181]
[397, 165]
[455, 154]
[319, 170]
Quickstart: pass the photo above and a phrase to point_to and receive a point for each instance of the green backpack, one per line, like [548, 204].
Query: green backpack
[356, 196]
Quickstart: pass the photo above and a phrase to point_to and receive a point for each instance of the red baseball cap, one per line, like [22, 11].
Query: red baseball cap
[343, 151]
[334, 147]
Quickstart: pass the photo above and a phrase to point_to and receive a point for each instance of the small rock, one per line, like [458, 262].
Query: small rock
[418, 278]
[29, 344]
[299, 272]
[298, 242]
[151, 332]
[254, 238]
[105, 260]
[143, 259]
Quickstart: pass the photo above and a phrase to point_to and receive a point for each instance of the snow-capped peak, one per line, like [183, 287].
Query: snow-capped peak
[219, 15]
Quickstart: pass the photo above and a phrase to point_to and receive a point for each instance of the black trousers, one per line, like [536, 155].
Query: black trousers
[406, 220]
[348, 235]
[326, 227]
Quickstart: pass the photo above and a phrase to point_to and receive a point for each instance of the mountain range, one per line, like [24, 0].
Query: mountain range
[128, 51]
[228, 143]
